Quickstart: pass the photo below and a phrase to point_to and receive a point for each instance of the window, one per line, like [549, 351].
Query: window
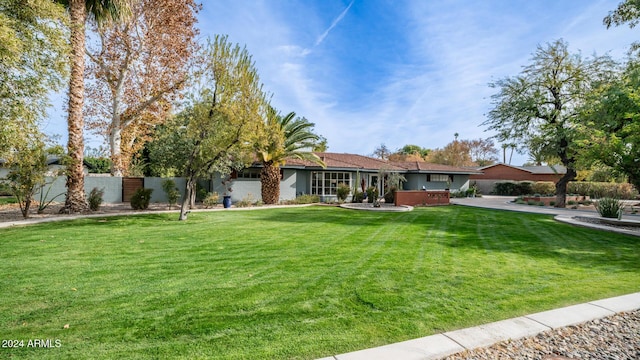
[326, 183]
[437, 177]
[249, 174]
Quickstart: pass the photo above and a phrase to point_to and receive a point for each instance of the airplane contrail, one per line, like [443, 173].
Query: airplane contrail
[333, 24]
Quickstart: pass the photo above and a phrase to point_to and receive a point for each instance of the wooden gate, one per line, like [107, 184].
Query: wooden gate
[129, 187]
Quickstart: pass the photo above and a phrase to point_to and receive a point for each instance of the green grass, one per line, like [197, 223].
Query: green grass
[292, 282]
[4, 200]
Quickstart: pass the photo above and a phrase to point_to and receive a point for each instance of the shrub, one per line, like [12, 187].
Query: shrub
[5, 189]
[531, 202]
[212, 199]
[304, 199]
[597, 190]
[95, 198]
[201, 192]
[372, 194]
[609, 207]
[389, 197]
[358, 197]
[472, 191]
[512, 188]
[342, 191]
[246, 201]
[141, 198]
[543, 187]
[171, 190]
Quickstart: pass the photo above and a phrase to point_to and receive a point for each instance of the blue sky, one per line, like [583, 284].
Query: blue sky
[368, 72]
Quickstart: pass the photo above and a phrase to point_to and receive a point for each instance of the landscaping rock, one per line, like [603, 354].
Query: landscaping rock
[612, 338]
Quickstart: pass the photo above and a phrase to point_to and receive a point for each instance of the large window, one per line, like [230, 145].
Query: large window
[326, 183]
[438, 177]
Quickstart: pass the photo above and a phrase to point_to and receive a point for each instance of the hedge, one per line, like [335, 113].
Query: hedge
[594, 190]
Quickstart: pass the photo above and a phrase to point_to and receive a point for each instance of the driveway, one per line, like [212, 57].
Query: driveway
[630, 224]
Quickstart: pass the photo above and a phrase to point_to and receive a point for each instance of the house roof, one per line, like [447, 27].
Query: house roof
[421, 166]
[551, 170]
[555, 169]
[359, 162]
[346, 161]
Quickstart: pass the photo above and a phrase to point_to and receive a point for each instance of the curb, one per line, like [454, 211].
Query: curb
[439, 346]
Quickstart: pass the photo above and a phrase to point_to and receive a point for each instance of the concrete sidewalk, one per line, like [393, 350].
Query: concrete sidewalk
[442, 345]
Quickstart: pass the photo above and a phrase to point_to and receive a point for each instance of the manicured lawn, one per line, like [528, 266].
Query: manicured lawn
[7, 200]
[292, 282]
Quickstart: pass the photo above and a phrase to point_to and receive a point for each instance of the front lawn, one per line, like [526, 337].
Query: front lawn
[4, 200]
[292, 282]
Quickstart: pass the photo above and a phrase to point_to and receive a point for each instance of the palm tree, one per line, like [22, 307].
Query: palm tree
[289, 137]
[102, 11]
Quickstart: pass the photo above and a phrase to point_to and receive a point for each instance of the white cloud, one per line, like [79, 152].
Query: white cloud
[397, 73]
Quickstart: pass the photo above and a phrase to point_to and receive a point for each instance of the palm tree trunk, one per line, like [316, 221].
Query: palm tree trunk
[75, 200]
[270, 180]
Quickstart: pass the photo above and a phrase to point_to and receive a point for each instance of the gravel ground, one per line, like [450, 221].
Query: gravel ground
[612, 338]
[599, 221]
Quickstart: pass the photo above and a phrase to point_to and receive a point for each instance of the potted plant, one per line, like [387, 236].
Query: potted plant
[226, 198]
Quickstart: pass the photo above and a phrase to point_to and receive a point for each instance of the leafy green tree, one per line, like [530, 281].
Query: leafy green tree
[27, 169]
[413, 150]
[627, 12]
[321, 145]
[170, 148]
[286, 137]
[540, 104]
[410, 153]
[224, 119]
[102, 12]
[33, 53]
[612, 130]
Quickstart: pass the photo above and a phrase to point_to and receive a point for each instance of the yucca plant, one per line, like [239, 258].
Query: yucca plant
[609, 207]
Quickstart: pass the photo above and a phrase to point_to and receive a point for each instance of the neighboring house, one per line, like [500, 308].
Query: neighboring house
[302, 177]
[489, 175]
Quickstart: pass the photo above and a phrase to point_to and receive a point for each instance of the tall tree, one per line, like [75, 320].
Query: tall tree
[612, 130]
[456, 153]
[627, 12]
[410, 152]
[382, 152]
[33, 51]
[137, 68]
[286, 137]
[541, 103]
[482, 151]
[224, 120]
[102, 12]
